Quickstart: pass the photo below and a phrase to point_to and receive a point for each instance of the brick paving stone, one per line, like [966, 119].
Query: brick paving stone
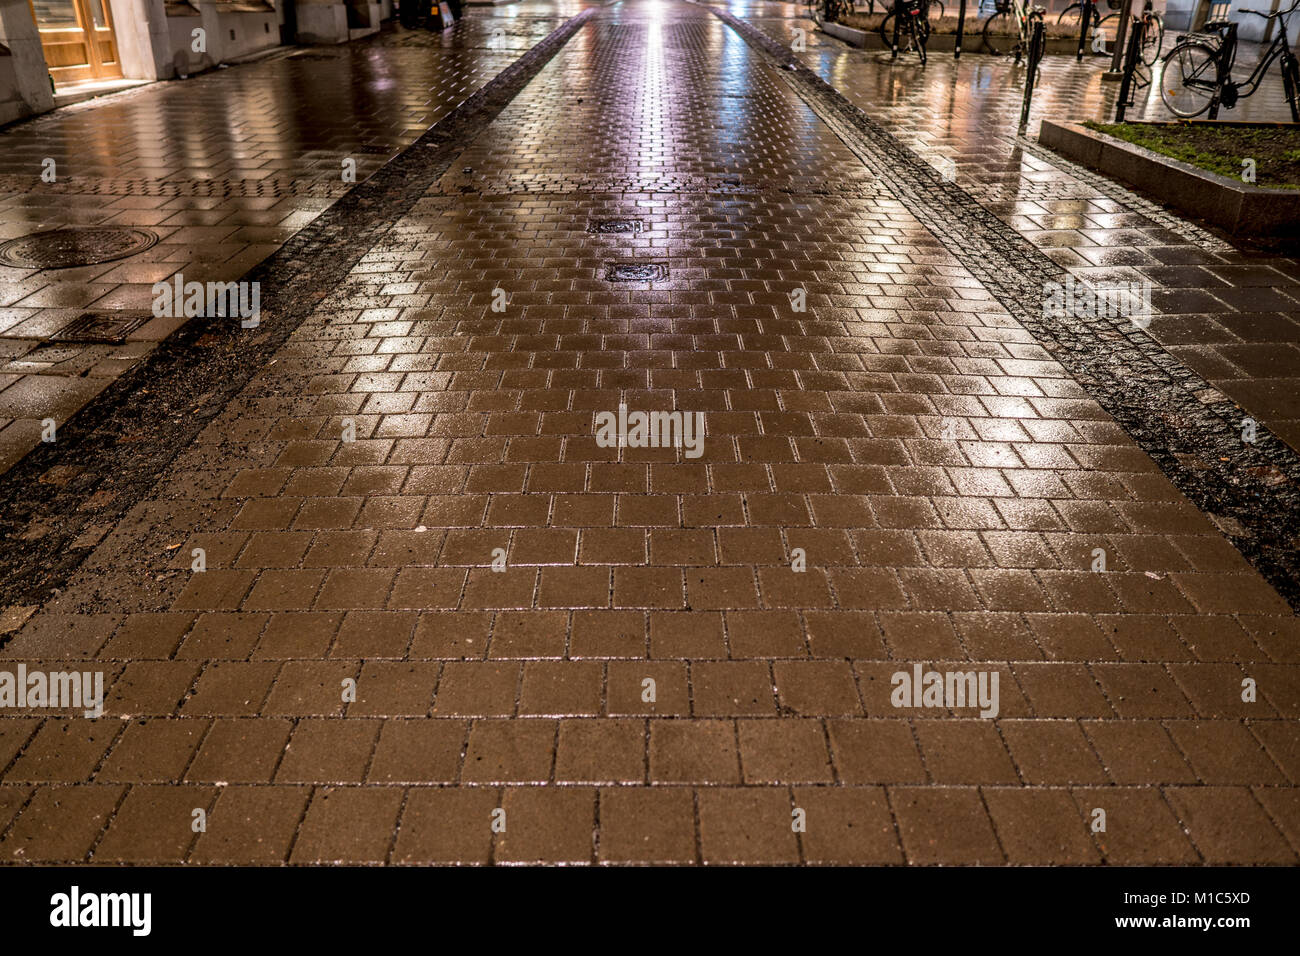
[1283, 808]
[155, 823]
[348, 825]
[847, 826]
[547, 824]
[944, 824]
[152, 750]
[752, 825]
[1039, 826]
[786, 751]
[251, 825]
[644, 825]
[1138, 752]
[328, 751]
[65, 751]
[1047, 752]
[240, 751]
[1140, 827]
[60, 823]
[447, 826]
[1227, 823]
[609, 751]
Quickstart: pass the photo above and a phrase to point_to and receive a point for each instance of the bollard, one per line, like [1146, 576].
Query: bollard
[961, 29]
[1085, 21]
[1037, 42]
[898, 22]
[1131, 56]
[1121, 36]
[1223, 75]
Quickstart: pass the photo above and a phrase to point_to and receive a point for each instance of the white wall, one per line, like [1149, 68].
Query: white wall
[1181, 13]
[253, 32]
[155, 46]
[322, 21]
[140, 28]
[24, 78]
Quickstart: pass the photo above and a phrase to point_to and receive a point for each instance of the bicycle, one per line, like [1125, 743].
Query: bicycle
[1153, 31]
[1077, 10]
[1198, 70]
[998, 26]
[930, 12]
[911, 30]
[1153, 26]
[833, 10]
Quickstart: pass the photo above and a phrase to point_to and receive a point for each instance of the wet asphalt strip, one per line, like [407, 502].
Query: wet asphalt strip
[111, 453]
[1189, 428]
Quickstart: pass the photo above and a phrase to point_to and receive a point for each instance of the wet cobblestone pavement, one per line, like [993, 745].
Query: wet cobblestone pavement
[1228, 315]
[430, 593]
[162, 157]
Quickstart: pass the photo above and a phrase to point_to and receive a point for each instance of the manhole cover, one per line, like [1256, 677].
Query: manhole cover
[68, 248]
[636, 271]
[102, 328]
[615, 226]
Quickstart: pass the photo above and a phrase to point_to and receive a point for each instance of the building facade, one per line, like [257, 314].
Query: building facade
[50, 46]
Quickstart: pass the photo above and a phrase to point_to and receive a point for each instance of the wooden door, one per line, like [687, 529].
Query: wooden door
[77, 37]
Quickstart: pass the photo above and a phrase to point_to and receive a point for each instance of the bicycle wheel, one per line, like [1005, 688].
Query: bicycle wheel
[934, 11]
[1108, 26]
[887, 32]
[1153, 37]
[1189, 78]
[906, 39]
[1075, 8]
[1000, 32]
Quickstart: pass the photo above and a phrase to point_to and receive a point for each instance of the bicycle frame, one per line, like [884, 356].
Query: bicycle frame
[1024, 11]
[903, 16]
[1020, 10]
[1278, 48]
[1227, 54]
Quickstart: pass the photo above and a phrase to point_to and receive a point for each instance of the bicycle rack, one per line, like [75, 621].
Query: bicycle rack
[1085, 21]
[1129, 84]
[1037, 44]
[961, 29]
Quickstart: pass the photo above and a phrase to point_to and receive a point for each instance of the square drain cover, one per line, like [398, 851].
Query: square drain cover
[636, 271]
[616, 227]
[101, 328]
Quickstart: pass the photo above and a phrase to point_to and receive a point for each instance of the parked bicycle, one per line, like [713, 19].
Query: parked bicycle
[1153, 26]
[828, 11]
[824, 11]
[1198, 70]
[1009, 26]
[913, 26]
[1153, 32]
[1075, 10]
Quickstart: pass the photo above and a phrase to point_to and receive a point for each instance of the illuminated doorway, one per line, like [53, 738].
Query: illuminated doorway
[77, 37]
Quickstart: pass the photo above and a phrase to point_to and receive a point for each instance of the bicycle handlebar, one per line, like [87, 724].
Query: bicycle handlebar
[1270, 16]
